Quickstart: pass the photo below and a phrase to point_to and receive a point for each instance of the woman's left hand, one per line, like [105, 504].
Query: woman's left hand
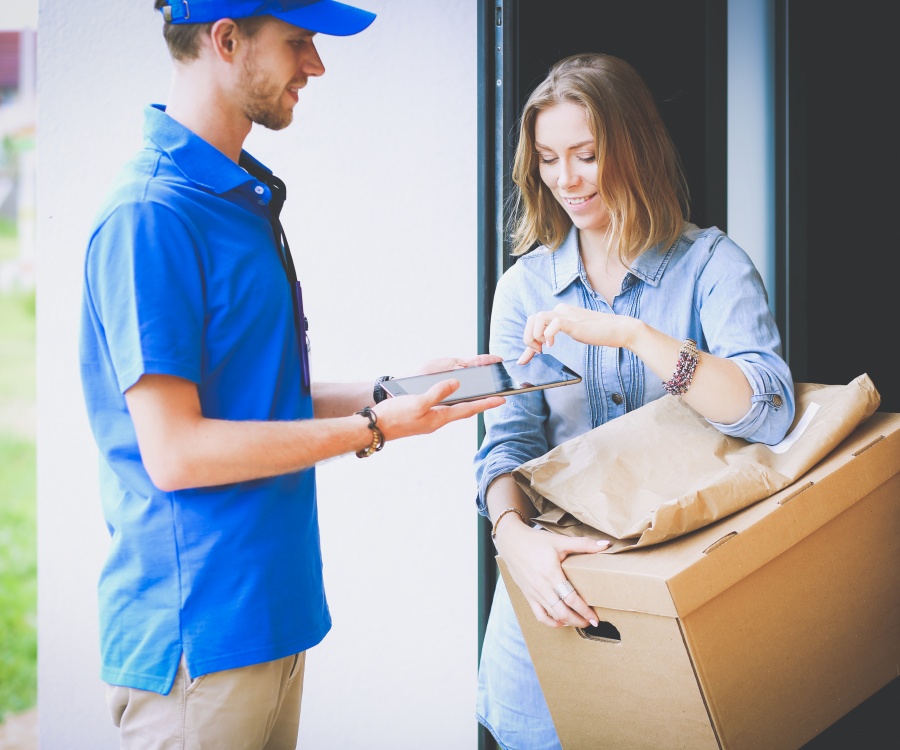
[586, 326]
[444, 364]
[534, 559]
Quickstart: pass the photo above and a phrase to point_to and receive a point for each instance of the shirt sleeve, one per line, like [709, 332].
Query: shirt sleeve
[145, 283]
[515, 431]
[738, 325]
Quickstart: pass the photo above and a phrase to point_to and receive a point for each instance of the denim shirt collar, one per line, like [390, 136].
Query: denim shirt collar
[649, 266]
[565, 262]
[198, 160]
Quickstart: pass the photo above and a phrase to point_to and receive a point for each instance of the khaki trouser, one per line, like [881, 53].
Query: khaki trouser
[251, 708]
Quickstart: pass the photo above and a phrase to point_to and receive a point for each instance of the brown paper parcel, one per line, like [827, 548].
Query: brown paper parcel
[662, 470]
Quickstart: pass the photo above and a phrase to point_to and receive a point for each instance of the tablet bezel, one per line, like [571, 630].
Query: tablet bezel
[418, 384]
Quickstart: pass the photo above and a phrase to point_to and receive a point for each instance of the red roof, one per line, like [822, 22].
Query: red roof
[9, 59]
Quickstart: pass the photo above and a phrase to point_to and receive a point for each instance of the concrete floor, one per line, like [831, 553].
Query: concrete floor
[20, 731]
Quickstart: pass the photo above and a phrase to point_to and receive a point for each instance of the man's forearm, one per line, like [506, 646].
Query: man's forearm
[214, 452]
[340, 399]
[182, 448]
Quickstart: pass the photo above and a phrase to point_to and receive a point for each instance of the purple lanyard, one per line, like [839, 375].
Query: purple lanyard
[301, 325]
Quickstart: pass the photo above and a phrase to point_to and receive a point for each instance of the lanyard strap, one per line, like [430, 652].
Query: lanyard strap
[279, 196]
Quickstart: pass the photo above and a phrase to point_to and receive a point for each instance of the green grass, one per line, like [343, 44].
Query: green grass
[18, 527]
[18, 576]
[17, 341]
[9, 240]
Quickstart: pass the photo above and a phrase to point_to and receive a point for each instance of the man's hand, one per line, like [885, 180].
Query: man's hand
[405, 416]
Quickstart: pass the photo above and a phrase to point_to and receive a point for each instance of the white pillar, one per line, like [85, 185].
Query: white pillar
[382, 216]
[751, 133]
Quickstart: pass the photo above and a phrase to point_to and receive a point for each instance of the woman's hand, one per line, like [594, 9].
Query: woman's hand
[534, 559]
[445, 364]
[586, 326]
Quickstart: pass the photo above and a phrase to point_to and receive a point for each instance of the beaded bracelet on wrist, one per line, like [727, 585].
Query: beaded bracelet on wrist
[688, 358]
[377, 436]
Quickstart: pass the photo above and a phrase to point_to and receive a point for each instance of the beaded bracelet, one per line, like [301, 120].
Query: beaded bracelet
[688, 358]
[377, 435]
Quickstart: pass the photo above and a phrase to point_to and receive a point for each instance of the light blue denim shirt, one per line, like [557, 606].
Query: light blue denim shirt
[703, 287]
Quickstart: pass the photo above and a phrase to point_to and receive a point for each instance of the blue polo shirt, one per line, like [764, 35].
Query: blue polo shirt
[182, 277]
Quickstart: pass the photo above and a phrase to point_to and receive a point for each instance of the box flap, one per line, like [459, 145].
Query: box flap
[676, 577]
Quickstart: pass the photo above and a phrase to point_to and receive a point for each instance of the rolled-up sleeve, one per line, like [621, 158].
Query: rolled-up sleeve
[738, 325]
[513, 435]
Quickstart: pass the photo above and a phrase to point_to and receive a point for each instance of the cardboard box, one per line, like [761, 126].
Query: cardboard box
[758, 631]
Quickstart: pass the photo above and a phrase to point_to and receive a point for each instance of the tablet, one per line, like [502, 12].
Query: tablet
[498, 379]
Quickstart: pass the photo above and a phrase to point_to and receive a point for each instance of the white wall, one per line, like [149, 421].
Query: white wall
[751, 134]
[381, 169]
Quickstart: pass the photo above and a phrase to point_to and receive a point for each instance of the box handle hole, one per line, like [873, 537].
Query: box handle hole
[605, 631]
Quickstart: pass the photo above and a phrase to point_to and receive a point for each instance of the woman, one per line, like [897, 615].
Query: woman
[648, 304]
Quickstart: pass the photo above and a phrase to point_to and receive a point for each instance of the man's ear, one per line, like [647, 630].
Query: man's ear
[224, 37]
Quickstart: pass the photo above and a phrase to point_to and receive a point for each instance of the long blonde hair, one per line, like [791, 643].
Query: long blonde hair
[638, 170]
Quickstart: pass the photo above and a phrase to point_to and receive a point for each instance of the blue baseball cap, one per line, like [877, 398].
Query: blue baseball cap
[323, 16]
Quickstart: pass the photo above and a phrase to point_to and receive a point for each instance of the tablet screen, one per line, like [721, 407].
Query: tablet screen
[501, 378]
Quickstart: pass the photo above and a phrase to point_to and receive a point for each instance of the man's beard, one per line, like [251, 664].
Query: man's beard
[262, 103]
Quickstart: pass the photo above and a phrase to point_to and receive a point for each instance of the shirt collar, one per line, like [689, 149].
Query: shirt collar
[198, 160]
[566, 262]
[649, 266]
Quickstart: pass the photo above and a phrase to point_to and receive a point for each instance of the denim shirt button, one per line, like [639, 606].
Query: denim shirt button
[617, 399]
[777, 401]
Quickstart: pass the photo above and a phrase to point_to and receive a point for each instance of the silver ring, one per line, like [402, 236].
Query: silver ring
[563, 589]
[551, 606]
